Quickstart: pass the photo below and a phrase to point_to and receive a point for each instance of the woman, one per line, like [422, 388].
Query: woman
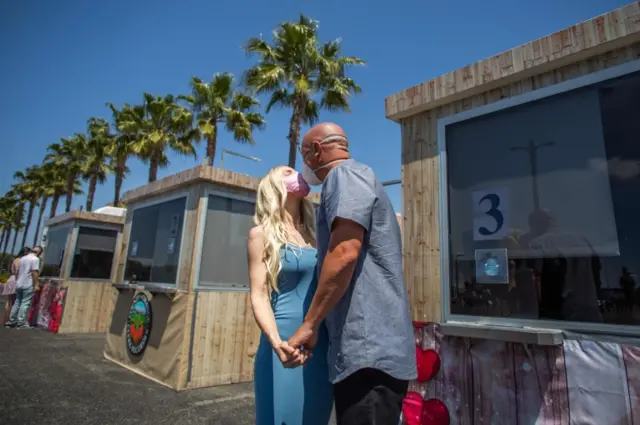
[282, 272]
[9, 288]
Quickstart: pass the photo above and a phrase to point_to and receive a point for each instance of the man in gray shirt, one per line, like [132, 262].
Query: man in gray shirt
[361, 293]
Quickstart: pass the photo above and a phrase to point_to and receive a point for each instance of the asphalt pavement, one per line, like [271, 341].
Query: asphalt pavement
[64, 379]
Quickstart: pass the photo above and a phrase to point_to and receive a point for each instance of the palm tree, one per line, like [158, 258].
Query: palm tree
[45, 194]
[219, 102]
[5, 227]
[158, 124]
[69, 155]
[8, 214]
[17, 194]
[121, 147]
[96, 165]
[53, 187]
[56, 178]
[301, 74]
[32, 188]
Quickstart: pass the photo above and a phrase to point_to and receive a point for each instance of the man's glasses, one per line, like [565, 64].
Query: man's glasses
[329, 139]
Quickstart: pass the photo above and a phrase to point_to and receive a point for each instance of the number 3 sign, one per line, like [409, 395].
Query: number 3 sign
[490, 214]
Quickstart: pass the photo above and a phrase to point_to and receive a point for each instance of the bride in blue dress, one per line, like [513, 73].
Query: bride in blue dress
[282, 272]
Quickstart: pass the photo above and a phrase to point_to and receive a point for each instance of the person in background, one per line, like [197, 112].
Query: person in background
[282, 275]
[9, 288]
[361, 289]
[628, 285]
[26, 285]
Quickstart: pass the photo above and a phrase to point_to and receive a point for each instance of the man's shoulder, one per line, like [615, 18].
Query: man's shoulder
[353, 166]
[32, 260]
[349, 172]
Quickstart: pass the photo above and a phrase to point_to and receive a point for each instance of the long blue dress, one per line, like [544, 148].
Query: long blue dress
[302, 395]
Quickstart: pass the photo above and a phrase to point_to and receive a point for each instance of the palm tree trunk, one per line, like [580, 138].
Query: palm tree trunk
[70, 183]
[211, 146]
[27, 223]
[4, 235]
[15, 242]
[294, 133]
[118, 184]
[6, 241]
[93, 181]
[54, 205]
[153, 168]
[43, 205]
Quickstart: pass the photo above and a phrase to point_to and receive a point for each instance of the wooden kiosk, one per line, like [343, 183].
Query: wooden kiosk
[521, 176]
[183, 316]
[78, 266]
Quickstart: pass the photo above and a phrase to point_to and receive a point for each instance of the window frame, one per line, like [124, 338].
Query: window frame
[74, 243]
[202, 225]
[443, 207]
[149, 203]
[65, 260]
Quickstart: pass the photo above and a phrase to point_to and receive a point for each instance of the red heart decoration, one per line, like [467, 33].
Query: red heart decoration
[412, 408]
[428, 363]
[434, 412]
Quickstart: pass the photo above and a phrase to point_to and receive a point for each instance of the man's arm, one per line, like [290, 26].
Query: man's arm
[337, 269]
[348, 204]
[35, 274]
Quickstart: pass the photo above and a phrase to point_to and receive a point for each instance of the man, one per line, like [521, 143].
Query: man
[26, 285]
[361, 293]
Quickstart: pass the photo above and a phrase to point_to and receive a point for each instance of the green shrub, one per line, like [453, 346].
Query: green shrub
[3, 278]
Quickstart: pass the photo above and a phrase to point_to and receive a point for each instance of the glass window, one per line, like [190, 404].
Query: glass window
[93, 257]
[544, 208]
[224, 249]
[155, 242]
[54, 250]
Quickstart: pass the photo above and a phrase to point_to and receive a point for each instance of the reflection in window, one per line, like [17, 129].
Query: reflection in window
[544, 207]
[155, 242]
[54, 251]
[93, 256]
[224, 250]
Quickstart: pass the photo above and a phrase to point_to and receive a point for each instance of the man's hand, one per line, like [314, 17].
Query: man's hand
[304, 341]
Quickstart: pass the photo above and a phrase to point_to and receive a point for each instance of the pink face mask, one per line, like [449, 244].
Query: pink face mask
[296, 185]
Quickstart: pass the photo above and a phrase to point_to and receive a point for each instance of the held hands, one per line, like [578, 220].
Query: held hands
[289, 356]
[301, 344]
[297, 350]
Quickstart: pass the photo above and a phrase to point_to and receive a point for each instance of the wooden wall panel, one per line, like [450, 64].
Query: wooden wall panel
[502, 383]
[79, 215]
[88, 307]
[225, 337]
[420, 177]
[161, 359]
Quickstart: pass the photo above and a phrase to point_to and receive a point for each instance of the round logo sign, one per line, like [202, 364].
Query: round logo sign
[138, 324]
[491, 267]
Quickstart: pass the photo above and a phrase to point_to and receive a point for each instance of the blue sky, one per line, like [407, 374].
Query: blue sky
[62, 61]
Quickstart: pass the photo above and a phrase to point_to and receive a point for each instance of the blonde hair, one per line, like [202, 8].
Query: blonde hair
[270, 215]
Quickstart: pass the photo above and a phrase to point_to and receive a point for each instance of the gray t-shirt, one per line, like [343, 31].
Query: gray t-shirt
[370, 327]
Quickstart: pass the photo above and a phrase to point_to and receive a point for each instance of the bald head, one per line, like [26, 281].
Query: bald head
[323, 144]
[323, 130]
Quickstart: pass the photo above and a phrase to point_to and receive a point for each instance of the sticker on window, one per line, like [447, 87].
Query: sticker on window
[492, 266]
[490, 214]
